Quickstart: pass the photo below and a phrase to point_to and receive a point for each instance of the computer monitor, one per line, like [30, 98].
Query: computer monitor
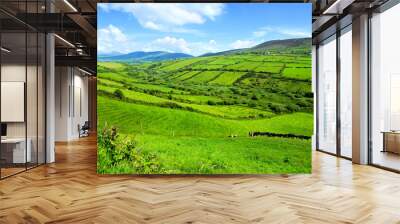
[3, 129]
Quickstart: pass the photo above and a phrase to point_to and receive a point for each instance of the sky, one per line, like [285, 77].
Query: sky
[197, 28]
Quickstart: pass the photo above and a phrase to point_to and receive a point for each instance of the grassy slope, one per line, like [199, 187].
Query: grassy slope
[229, 155]
[197, 103]
[192, 142]
[164, 121]
[188, 142]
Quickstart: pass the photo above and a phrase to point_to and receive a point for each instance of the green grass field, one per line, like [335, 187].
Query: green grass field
[227, 78]
[194, 116]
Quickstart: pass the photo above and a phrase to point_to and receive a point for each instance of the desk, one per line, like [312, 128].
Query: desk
[391, 141]
[13, 150]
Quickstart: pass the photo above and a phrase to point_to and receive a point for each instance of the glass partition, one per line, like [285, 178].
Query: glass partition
[385, 89]
[22, 91]
[13, 94]
[346, 92]
[327, 95]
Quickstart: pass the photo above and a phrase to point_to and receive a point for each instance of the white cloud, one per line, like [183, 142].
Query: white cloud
[180, 45]
[242, 44]
[289, 32]
[171, 44]
[103, 6]
[295, 33]
[199, 48]
[259, 33]
[212, 42]
[151, 25]
[112, 39]
[168, 17]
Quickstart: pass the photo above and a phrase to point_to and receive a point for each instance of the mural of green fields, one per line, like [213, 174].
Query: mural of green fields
[204, 88]
[245, 111]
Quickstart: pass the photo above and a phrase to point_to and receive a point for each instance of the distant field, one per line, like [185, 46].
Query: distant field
[188, 75]
[160, 88]
[112, 65]
[181, 64]
[195, 115]
[227, 78]
[206, 76]
[300, 73]
[267, 68]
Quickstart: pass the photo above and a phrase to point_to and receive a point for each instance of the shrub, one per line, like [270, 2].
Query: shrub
[277, 108]
[293, 107]
[309, 94]
[210, 102]
[115, 152]
[172, 105]
[119, 94]
[251, 104]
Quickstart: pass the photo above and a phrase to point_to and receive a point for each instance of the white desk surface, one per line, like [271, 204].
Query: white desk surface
[13, 140]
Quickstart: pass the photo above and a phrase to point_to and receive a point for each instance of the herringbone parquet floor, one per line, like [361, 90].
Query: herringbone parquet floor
[70, 191]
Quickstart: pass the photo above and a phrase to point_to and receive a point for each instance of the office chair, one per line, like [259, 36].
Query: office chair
[84, 130]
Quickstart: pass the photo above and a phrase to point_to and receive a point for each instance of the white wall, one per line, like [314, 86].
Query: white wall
[71, 87]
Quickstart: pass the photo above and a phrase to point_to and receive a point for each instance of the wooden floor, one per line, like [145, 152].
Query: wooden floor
[70, 191]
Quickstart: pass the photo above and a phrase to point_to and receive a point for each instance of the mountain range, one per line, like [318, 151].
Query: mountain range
[141, 56]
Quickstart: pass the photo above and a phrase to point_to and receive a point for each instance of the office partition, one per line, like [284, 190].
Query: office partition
[22, 77]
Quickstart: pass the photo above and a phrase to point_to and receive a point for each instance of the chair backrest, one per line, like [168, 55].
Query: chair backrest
[86, 125]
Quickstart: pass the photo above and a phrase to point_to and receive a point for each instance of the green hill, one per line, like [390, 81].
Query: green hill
[299, 45]
[195, 114]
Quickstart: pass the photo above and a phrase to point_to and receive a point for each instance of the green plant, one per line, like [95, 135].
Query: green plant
[119, 94]
[116, 151]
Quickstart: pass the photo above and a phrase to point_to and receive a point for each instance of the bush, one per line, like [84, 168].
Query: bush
[210, 102]
[251, 104]
[172, 105]
[277, 108]
[293, 107]
[119, 94]
[309, 94]
[115, 152]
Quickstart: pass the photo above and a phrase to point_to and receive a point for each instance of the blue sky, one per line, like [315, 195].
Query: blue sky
[197, 28]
